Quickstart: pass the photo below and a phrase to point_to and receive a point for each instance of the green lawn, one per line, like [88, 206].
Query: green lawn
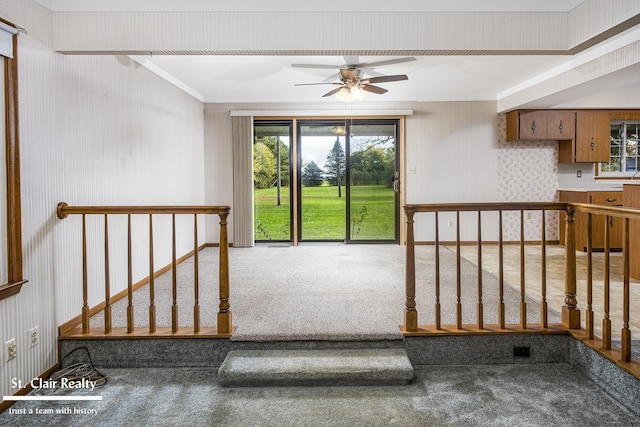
[323, 213]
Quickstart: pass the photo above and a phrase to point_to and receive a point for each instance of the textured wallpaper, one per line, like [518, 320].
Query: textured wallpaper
[528, 172]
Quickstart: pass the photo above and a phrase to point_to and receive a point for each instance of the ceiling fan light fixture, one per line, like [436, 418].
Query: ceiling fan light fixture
[357, 93]
[344, 95]
[351, 94]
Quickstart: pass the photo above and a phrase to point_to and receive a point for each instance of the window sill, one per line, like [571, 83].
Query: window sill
[11, 289]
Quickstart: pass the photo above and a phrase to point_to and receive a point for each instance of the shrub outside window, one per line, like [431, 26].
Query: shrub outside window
[623, 149]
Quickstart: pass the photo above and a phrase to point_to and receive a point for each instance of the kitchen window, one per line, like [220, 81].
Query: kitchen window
[623, 150]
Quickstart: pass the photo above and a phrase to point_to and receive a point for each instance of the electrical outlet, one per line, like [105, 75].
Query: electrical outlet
[12, 349]
[528, 215]
[579, 174]
[450, 223]
[33, 336]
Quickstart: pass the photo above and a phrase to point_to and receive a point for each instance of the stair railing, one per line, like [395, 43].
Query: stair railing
[571, 319]
[224, 325]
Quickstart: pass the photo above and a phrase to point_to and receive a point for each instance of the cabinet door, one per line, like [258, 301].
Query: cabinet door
[600, 223]
[592, 136]
[561, 124]
[533, 124]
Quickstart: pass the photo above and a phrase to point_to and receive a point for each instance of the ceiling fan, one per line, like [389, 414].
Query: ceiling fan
[353, 84]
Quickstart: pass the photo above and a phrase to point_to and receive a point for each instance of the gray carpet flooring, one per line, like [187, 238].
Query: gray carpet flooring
[481, 395]
[323, 292]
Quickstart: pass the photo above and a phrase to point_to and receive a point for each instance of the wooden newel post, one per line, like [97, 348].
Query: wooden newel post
[410, 313]
[224, 315]
[570, 312]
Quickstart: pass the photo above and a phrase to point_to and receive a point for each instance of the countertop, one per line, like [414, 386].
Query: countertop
[584, 190]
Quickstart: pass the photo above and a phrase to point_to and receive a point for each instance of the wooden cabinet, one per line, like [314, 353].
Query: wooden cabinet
[532, 125]
[583, 135]
[632, 199]
[561, 124]
[540, 124]
[593, 134]
[591, 143]
[598, 223]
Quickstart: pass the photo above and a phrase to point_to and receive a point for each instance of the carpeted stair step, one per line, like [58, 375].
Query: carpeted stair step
[249, 368]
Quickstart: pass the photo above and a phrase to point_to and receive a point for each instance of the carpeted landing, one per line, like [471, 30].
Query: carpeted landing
[324, 292]
[477, 395]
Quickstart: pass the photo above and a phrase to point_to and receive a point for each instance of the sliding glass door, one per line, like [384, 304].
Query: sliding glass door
[373, 181]
[322, 171]
[272, 181]
[337, 180]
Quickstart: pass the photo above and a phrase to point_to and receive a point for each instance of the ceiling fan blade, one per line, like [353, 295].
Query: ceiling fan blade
[314, 84]
[320, 66]
[383, 79]
[374, 89]
[387, 62]
[331, 92]
[332, 78]
[350, 61]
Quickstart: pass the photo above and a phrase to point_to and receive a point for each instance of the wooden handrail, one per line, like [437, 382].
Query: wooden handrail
[63, 210]
[615, 211]
[224, 315]
[570, 311]
[487, 206]
[411, 314]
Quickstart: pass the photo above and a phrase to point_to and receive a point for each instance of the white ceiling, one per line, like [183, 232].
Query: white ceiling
[271, 78]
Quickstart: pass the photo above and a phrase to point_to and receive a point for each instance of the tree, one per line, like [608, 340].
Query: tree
[273, 143]
[312, 175]
[264, 166]
[335, 166]
[372, 166]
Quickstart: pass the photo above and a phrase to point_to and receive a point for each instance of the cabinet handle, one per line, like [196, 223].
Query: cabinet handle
[611, 200]
[593, 144]
[611, 221]
[561, 127]
[533, 127]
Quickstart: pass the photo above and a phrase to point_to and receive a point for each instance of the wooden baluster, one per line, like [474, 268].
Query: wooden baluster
[543, 273]
[480, 306]
[626, 332]
[152, 288]
[85, 281]
[107, 281]
[174, 277]
[570, 312]
[606, 321]
[130, 322]
[458, 275]
[589, 311]
[523, 301]
[224, 315]
[438, 312]
[410, 312]
[196, 290]
[501, 312]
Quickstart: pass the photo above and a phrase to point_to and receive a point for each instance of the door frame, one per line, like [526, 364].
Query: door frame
[294, 167]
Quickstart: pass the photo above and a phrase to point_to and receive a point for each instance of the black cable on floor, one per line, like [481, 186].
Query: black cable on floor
[74, 372]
